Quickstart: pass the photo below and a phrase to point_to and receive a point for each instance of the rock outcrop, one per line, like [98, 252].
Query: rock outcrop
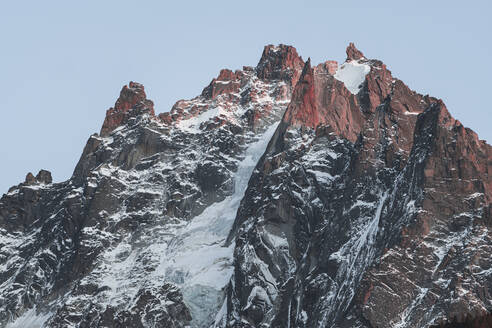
[353, 53]
[132, 102]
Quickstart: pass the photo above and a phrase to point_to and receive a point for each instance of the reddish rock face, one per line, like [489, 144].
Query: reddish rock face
[353, 53]
[303, 110]
[132, 101]
[432, 240]
[320, 100]
[227, 82]
[329, 66]
[280, 62]
[129, 96]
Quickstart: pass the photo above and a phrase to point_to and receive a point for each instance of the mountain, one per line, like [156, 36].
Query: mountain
[285, 195]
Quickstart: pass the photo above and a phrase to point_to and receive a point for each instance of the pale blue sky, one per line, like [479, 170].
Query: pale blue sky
[63, 63]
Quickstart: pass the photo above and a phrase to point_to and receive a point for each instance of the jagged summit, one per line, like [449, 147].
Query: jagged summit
[353, 53]
[286, 195]
[304, 93]
[132, 101]
[43, 176]
[360, 168]
[276, 63]
[279, 65]
[279, 62]
[130, 95]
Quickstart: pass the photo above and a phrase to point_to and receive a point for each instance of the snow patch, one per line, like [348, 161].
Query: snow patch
[192, 124]
[29, 319]
[352, 74]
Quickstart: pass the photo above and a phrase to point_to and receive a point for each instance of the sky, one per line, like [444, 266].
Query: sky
[63, 63]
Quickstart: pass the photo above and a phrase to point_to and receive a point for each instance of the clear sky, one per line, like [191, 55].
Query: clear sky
[63, 63]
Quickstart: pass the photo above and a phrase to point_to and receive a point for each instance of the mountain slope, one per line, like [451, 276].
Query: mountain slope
[135, 237]
[284, 195]
[370, 208]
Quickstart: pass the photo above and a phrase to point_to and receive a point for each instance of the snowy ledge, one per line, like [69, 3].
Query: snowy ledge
[352, 74]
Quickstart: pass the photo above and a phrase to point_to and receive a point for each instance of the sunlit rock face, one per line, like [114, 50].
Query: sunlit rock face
[369, 208]
[284, 195]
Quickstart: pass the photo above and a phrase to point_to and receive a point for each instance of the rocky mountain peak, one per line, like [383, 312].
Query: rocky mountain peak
[280, 62]
[130, 95]
[322, 98]
[228, 75]
[30, 179]
[132, 101]
[272, 80]
[286, 195]
[382, 199]
[43, 176]
[353, 53]
[302, 110]
[276, 63]
[226, 82]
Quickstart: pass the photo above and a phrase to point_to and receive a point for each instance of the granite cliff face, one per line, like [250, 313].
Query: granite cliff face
[285, 195]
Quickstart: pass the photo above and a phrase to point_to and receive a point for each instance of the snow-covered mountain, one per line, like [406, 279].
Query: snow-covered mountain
[284, 195]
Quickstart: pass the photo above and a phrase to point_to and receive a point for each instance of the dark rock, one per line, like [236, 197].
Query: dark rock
[44, 176]
[281, 63]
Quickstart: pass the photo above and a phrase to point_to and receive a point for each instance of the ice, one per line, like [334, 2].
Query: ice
[29, 319]
[352, 74]
[276, 241]
[221, 317]
[304, 317]
[359, 203]
[196, 258]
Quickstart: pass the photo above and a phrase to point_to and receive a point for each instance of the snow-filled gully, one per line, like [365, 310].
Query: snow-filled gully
[196, 258]
[353, 257]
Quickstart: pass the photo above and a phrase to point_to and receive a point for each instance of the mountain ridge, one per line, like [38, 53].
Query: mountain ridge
[326, 189]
